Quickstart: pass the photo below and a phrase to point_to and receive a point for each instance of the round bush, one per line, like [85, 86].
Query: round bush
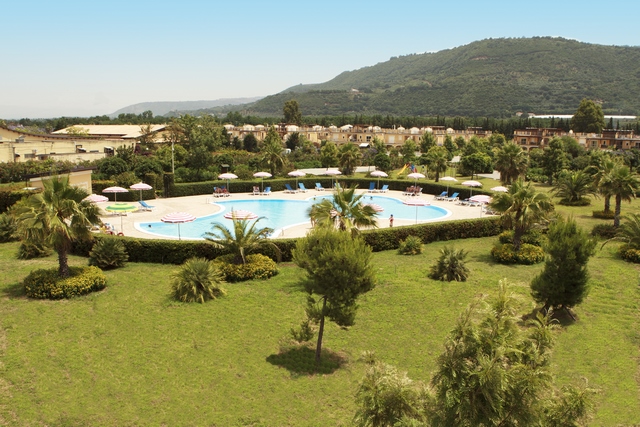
[46, 284]
[528, 254]
[630, 254]
[585, 201]
[412, 245]
[532, 237]
[257, 267]
[606, 231]
[604, 215]
[28, 250]
[108, 253]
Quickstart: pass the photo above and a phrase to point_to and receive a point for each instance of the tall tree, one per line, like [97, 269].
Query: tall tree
[250, 143]
[437, 159]
[563, 282]
[622, 185]
[554, 159]
[329, 154]
[588, 118]
[344, 211]
[349, 158]
[521, 207]
[339, 269]
[292, 112]
[601, 167]
[427, 140]
[57, 216]
[573, 187]
[272, 151]
[511, 162]
[409, 151]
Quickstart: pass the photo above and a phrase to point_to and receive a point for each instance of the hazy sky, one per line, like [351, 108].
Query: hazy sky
[86, 58]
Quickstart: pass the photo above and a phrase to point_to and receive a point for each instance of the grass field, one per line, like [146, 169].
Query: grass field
[130, 356]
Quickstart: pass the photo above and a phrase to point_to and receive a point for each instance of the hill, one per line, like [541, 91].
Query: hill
[493, 77]
[162, 108]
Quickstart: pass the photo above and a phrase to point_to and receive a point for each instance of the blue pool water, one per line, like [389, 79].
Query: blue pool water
[281, 214]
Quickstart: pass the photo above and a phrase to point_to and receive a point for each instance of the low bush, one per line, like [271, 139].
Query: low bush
[28, 250]
[108, 253]
[198, 280]
[46, 284]
[504, 253]
[603, 214]
[305, 332]
[258, 266]
[450, 266]
[605, 231]
[8, 228]
[412, 245]
[585, 201]
[629, 254]
[532, 237]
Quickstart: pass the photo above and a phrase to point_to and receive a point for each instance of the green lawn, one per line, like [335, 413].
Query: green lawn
[130, 356]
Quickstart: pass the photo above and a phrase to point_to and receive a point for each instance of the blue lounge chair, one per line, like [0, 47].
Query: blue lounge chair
[266, 191]
[372, 187]
[319, 187]
[145, 206]
[302, 188]
[453, 197]
[289, 189]
[442, 196]
[384, 188]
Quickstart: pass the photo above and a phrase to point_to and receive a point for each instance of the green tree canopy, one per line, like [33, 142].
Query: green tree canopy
[588, 118]
[292, 112]
[511, 162]
[329, 154]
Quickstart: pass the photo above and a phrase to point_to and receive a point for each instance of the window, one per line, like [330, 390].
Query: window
[523, 141]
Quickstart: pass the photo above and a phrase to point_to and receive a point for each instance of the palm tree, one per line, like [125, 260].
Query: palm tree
[600, 172]
[197, 280]
[521, 208]
[574, 186]
[244, 239]
[344, 211]
[438, 160]
[511, 161]
[622, 185]
[629, 232]
[450, 266]
[272, 156]
[56, 217]
[349, 158]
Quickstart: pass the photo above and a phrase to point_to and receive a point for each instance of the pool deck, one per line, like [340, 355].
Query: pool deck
[202, 205]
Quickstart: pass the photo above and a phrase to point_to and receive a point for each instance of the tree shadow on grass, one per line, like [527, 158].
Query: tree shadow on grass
[300, 361]
[563, 317]
[14, 290]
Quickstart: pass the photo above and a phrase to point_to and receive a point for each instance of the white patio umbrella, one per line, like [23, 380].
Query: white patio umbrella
[96, 198]
[448, 179]
[240, 215]
[415, 176]
[141, 186]
[262, 176]
[472, 184]
[480, 198]
[228, 176]
[332, 172]
[297, 174]
[379, 174]
[115, 191]
[500, 189]
[417, 202]
[178, 218]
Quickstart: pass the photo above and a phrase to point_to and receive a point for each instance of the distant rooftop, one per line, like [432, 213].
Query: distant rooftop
[120, 131]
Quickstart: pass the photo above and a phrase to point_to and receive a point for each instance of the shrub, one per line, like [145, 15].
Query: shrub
[108, 253]
[305, 332]
[258, 266]
[450, 266]
[603, 214]
[532, 237]
[606, 231]
[585, 201]
[46, 284]
[412, 245]
[28, 250]
[197, 280]
[528, 254]
[629, 254]
[8, 228]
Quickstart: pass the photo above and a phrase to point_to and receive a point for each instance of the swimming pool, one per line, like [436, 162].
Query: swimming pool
[282, 214]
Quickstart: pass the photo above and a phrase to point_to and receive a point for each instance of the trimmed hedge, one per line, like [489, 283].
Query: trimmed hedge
[178, 251]
[258, 267]
[528, 254]
[605, 231]
[46, 284]
[585, 201]
[630, 254]
[604, 215]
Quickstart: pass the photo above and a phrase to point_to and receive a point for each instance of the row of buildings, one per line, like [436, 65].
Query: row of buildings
[97, 141]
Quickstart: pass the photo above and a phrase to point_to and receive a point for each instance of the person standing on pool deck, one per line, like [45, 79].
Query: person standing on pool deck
[391, 221]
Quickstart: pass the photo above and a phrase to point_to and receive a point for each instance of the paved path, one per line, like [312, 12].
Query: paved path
[202, 205]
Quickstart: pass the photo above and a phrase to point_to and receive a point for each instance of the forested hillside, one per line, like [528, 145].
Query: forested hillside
[494, 77]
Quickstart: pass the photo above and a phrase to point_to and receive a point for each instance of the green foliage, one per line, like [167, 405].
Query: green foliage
[564, 280]
[588, 118]
[305, 332]
[292, 112]
[604, 231]
[630, 254]
[30, 250]
[257, 267]
[245, 238]
[412, 245]
[108, 253]
[47, 284]
[604, 214]
[528, 254]
[450, 266]
[573, 187]
[8, 228]
[511, 162]
[197, 280]
[349, 157]
[344, 211]
[532, 237]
